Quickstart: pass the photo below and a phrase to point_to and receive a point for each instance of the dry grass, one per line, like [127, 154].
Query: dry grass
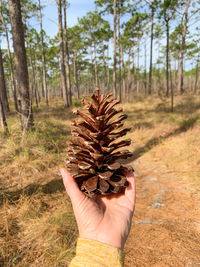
[37, 226]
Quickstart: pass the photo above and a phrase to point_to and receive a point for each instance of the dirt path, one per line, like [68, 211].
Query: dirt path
[166, 230]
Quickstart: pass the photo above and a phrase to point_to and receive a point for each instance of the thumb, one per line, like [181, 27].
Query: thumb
[71, 187]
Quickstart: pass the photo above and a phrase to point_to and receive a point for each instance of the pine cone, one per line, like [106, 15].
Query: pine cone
[93, 153]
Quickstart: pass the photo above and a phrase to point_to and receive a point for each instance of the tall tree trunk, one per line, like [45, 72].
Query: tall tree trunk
[122, 62]
[3, 117]
[108, 72]
[95, 67]
[33, 87]
[182, 52]
[167, 58]
[44, 74]
[129, 73]
[67, 65]
[151, 51]
[12, 75]
[138, 67]
[37, 94]
[114, 50]
[3, 90]
[21, 64]
[134, 71]
[63, 74]
[172, 89]
[145, 66]
[105, 71]
[92, 70]
[196, 75]
[76, 73]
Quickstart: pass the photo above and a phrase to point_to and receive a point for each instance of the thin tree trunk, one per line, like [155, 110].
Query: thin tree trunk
[134, 70]
[3, 117]
[105, 71]
[138, 67]
[37, 95]
[172, 90]
[33, 89]
[44, 79]
[21, 64]
[63, 74]
[95, 67]
[151, 51]
[196, 75]
[108, 73]
[182, 52]
[129, 72]
[76, 73]
[12, 75]
[67, 65]
[167, 59]
[145, 67]
[114, 50]
[92, 70]
[122, 65]
[3, 90]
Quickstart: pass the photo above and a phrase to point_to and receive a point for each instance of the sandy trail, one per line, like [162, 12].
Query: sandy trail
[166, 226]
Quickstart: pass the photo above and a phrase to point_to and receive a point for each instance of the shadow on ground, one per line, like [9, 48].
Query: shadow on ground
[51, 187]
[185, 125]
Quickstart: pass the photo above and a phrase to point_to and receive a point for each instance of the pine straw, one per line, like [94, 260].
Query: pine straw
[38, 215]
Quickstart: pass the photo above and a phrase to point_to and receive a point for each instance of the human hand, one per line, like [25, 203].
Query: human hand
[106, 219]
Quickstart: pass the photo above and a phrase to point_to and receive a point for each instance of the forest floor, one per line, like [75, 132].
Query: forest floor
[37, 226]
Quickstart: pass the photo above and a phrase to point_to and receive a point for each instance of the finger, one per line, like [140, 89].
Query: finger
[71, 186]
[130, 190]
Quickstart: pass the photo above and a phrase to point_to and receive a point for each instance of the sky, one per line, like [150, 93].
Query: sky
[77, 8]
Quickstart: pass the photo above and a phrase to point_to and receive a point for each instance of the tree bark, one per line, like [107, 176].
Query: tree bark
[129, 72]
[151, 50]
[76, 73]
[196, 75]
[12, 75]
[3, 117]
[167, 58]
[145, 67]
[114, 50]
[33, 76]
[95, 67]
[21, 64]
[138, 67]
[3, 90]
[172, 90]
[37, 93]
[44, 79]
[67, 65]
[63, 74]
[92, 70]
[105, 71]
[122, 63]
[182, 52]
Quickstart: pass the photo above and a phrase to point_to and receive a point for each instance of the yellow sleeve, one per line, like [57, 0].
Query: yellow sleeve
[90, 253]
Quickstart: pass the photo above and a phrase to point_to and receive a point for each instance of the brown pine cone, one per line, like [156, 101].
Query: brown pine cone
[93, 153]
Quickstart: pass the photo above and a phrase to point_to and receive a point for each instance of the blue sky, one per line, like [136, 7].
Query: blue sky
[78, 8]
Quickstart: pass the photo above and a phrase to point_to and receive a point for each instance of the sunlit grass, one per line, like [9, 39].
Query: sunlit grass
[42, 229]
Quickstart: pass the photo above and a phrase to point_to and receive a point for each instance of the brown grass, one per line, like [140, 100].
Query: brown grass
[37, 226]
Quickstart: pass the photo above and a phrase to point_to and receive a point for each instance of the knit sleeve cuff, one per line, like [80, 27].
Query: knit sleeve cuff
[93, 253]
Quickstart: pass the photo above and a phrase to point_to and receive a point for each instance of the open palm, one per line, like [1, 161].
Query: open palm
[106, 219]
